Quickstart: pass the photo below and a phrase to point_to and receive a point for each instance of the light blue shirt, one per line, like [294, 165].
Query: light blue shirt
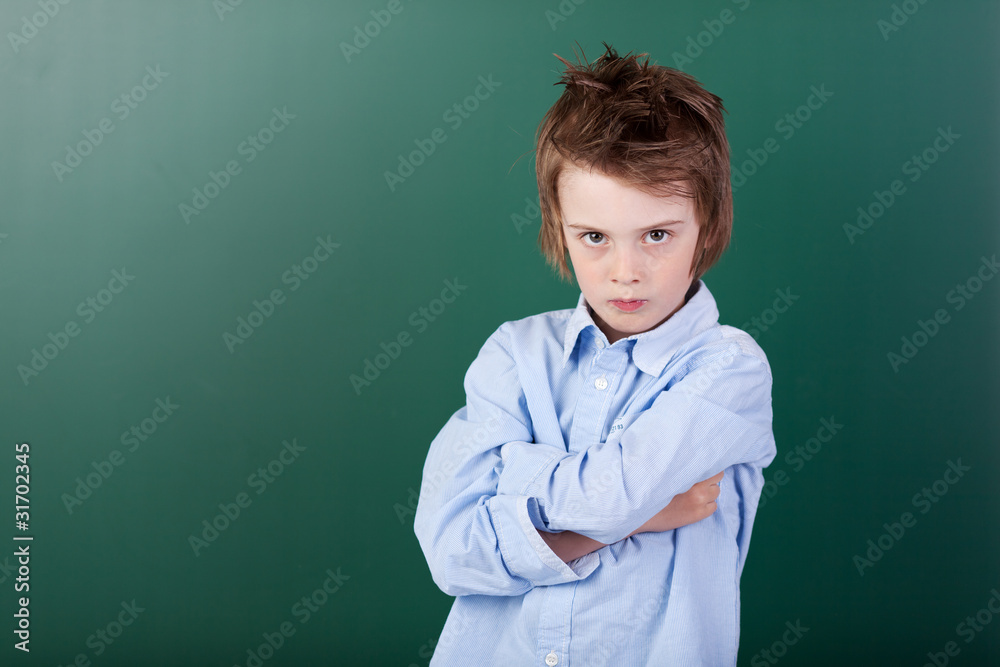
[562, 431]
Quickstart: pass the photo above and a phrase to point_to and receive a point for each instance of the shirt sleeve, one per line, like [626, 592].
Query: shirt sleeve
[718, 415]
[476, 541]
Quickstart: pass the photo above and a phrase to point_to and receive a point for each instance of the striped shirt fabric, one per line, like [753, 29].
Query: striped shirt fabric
[562, 431]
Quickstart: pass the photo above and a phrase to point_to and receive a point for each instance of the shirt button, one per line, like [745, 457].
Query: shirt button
[601, 384]
[552, 659]
[599, 343]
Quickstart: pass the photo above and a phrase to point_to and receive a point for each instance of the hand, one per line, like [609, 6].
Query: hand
[693, 505]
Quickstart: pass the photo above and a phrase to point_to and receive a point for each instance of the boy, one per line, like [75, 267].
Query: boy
[593, 501]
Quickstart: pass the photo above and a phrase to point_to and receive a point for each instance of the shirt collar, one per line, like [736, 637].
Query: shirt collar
[652, 349]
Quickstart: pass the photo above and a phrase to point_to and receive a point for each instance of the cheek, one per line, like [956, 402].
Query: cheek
[578, 256]
[664, 260]
[585, 273]
[588, 274]
[669, 268]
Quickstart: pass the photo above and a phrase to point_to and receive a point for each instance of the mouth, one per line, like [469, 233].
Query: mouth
[628, 306]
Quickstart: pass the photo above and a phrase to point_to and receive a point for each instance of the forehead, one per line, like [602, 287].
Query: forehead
[587, 195]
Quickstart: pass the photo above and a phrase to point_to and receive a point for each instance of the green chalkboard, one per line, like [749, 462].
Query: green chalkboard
[215, 213]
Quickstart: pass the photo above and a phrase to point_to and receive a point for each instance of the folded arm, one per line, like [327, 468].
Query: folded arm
[476, 541]
[695, 504]
[716, 416]
[491, 498]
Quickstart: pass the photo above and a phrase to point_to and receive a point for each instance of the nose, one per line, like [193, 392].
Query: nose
[627, 265]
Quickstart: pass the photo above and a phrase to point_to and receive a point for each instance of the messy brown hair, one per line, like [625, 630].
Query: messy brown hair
[652, 127]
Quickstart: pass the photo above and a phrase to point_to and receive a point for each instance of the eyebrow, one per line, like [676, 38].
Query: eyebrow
[665, 223]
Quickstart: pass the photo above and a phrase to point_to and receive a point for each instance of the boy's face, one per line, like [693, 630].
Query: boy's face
[631, 251]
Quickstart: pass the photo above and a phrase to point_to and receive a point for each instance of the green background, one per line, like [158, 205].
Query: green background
[343, 503]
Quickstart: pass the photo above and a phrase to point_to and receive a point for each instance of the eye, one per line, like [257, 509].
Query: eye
[592, 238]
[658, 236]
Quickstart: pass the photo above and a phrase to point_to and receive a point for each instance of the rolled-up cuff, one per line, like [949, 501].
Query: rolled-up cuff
[516, 519]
